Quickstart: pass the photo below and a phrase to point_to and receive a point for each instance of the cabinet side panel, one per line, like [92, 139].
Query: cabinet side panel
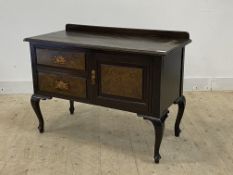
[33, 67]
[156, 86]
[171, 78]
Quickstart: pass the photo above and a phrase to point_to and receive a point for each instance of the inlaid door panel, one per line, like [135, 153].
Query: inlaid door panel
[122, 81]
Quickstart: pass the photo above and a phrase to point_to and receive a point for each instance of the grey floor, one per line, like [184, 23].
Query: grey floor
[97, 140]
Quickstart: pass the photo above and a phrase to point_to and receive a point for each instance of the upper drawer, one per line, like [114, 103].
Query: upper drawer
[59, 58]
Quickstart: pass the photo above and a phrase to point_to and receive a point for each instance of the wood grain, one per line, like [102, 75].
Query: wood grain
[121, 81]
[59, 58]
[62, 84]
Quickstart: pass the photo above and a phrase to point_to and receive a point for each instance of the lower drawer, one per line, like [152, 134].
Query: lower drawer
[62, 84]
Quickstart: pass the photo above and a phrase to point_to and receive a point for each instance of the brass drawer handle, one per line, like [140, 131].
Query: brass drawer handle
[93, 77]
[59, 60]
[61, 85]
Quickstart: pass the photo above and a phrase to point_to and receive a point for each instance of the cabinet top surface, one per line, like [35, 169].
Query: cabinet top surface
[117, 39]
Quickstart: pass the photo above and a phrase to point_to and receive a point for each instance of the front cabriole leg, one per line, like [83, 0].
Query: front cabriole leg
[158, 124]
[35, 102]
[181, 101]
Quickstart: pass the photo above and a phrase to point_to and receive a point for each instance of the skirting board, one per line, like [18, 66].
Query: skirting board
[208, 84]
[190, 84]
[16, 87]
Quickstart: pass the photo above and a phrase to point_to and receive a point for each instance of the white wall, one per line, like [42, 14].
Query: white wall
[209, 58]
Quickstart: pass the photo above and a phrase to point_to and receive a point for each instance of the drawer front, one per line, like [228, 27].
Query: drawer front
[64, 59]
[121, 81]
[62, 84]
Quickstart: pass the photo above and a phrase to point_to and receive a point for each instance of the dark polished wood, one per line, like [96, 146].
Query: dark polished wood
[71, 107]
[158, 125]
[35, 102]
[60, 58]
[128, 32]
[134, 70]
[181, 101]
[62, 84]
[117, 39]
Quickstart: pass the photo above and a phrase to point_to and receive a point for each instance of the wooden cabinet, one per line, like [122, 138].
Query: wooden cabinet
[135, 70]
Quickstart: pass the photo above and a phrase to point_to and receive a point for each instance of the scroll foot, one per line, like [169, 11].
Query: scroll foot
[157, 158]
[41, 128]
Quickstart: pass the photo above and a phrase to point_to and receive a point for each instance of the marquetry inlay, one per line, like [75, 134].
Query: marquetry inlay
[64, 85]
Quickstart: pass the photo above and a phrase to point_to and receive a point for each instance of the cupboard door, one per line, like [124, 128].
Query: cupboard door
[122, 81]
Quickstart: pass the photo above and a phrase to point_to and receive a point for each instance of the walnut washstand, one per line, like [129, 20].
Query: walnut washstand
[135, 70]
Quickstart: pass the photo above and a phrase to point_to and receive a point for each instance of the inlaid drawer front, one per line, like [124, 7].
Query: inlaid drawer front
[62, 84]
[121, 81]
[64, 59]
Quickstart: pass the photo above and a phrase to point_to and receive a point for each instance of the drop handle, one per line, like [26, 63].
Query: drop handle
[93, 77]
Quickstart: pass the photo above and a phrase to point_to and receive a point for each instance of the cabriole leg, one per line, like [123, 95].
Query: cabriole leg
[181, 106]
[71, 107]
[159, 130]
[35, 102]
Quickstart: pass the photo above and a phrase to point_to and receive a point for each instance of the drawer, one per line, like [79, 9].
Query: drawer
[62, 84]
[59, 58]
